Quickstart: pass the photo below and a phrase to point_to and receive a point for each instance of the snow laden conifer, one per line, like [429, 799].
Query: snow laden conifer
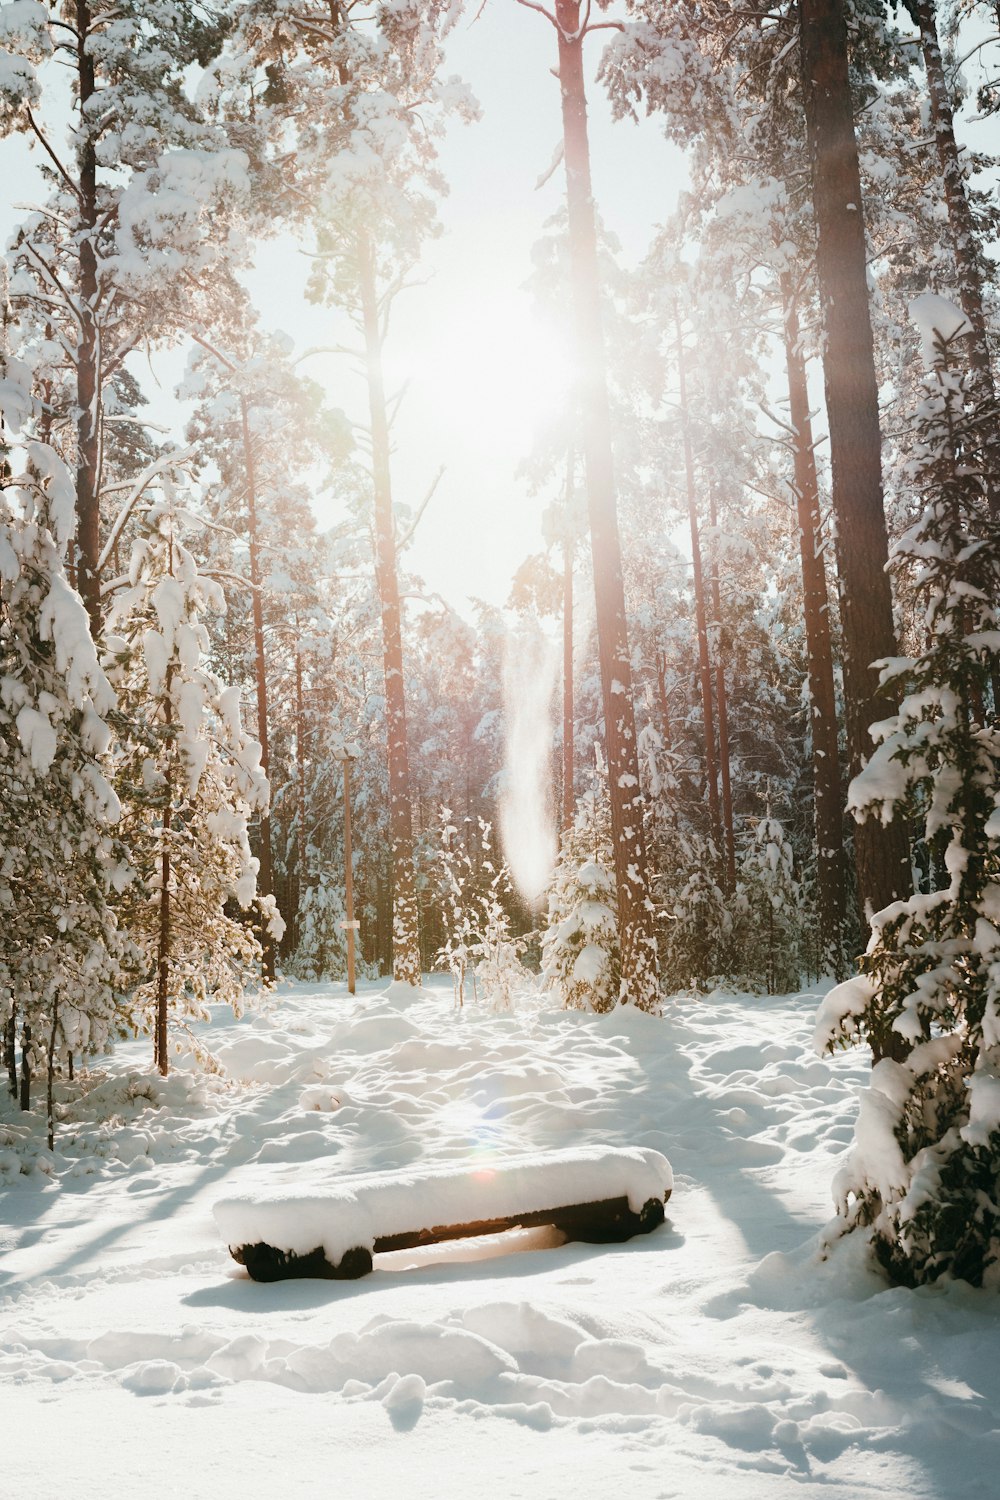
[321, 951]
[457, 879]
[698, 927]
[581, 957]
[190, 777]
[475, 900]
[770, 918]
[926, 1162]
[61, 951]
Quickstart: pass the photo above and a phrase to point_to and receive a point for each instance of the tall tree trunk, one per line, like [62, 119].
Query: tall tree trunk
[50, 1103]
[88, 394]
[405, 912]
[968, 272]
[827, 790]
[265, 875]
[852, 409]
[569, 715]
[635, 916]
[25, 1090]
[722, 698]
[10, 1044]
[663, 701]
[700, 608]
[160, 1056]
[300, 786]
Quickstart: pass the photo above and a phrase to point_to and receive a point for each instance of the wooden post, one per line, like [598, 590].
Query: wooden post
[349, 875]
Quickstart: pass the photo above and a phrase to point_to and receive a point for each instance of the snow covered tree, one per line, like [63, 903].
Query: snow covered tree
[61, 952]
[853, 415]
[128, 245]
[457, 877]
[189, 777]
[321, 951]
[927, 1147]
[771, 917]
[476, 898]
[581, 954]
[697, 941]
[572, 24]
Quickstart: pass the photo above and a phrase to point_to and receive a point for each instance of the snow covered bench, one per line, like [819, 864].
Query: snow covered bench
[599, 1194]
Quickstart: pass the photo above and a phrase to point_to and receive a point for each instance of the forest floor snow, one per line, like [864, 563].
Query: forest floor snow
[718, 1356]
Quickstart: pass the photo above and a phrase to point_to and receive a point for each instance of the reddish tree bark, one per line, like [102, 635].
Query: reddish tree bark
[827, 788]
[160, 1056]
[969, 279]
[88, 537]
[852, 409]
[568, 745]
[722, 699]
[265, 875]
[405, 911]
[700, 607]
[635, 917]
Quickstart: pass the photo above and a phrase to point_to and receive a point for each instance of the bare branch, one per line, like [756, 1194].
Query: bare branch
[404, 541]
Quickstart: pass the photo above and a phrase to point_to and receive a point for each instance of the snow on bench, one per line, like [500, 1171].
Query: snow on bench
[599, 1194]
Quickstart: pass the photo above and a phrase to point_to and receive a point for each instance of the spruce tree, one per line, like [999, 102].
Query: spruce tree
[581, 953]
[61, 951]
[189, 777]
[927, 1154]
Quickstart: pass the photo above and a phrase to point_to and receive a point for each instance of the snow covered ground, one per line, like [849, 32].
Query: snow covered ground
[718, 1356]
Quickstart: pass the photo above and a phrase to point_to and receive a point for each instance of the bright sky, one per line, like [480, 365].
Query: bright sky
[479, 368]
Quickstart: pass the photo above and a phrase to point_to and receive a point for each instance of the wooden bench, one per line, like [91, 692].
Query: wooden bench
[597, 1194]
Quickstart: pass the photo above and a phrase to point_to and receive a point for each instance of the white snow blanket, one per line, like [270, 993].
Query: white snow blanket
[728, 1354]
[367, 1209]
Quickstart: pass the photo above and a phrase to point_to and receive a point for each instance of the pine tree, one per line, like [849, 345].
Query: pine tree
[189, 777]
[581, 953]
[771, 918]
[129, 244]
[638, 943]
[927, 1154]
[62, 954]
[321, 951]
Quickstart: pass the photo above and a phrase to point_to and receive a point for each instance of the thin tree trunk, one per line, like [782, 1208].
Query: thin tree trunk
[349, 876]
[827, 789]
[265, 875]
[852, 409]
[160, 1057]
[568, 746]
[663, 701]
[50, 1107]
[300, 785]
[722, 698]
[88, 536]
[10, 1044]
[25, 1092]
[405, 912]
[700, 609]
[969, 279]
[635, 916]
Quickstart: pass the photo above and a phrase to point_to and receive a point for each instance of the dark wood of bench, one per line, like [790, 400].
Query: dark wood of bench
[576, 1220]
[607, 1222]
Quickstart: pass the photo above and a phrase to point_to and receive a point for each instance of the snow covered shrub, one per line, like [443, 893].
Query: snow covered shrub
[697, 943]
[769, 920]
[61, 962]
[477, 921]
[458, 889]
[580, 954]
[189, 777]
[321, 951]
[926, 1163]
